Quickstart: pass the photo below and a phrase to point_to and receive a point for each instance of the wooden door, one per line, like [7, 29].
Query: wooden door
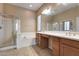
[43, 42]
[66, 50]
[55, 46]
[37, 38]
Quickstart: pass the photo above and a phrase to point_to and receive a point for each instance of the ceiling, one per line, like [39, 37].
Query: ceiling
[63, 8]
[59, 8]
[30, 6]
[35, 6]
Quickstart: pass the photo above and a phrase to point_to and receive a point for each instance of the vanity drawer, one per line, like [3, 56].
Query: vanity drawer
[44, 35]
[53, 38]
[70, 42]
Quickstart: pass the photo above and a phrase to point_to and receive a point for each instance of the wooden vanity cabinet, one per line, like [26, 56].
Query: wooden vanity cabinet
[37, 38]
[69, 47]
[55, 46]
[60, 46]
[42, 40]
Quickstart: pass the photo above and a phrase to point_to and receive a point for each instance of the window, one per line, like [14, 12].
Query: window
[67, 25]
[17, 25]
[39, 23]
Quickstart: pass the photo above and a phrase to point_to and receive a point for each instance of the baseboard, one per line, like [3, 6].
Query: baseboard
[7, 48]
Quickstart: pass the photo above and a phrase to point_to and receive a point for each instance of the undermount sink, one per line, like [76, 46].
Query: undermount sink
[71, 34]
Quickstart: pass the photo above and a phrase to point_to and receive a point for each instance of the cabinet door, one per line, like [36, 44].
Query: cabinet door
[37, 38]
[55, 46]
[66, 50]
[43, 42]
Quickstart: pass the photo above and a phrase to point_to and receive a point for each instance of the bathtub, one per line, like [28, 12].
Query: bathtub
[25, 39]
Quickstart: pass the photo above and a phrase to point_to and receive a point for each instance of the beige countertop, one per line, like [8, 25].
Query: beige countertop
[62, 34]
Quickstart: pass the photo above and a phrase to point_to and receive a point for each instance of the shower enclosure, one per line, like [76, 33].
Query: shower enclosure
[8, 30]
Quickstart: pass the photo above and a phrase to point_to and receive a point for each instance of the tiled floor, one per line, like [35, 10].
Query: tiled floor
[29, 51]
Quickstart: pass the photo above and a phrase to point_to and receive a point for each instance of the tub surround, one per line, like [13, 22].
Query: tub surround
[59, 42]
[25, 39]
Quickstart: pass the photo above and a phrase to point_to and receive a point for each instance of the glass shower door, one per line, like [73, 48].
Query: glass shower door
[7, 35]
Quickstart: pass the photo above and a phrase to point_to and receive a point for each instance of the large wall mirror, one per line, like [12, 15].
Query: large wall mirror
[67, 25]
[55, 26]
[61, 20]
[62, 26]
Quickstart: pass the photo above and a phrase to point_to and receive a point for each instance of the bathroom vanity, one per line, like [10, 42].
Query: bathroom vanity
[62, 43]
